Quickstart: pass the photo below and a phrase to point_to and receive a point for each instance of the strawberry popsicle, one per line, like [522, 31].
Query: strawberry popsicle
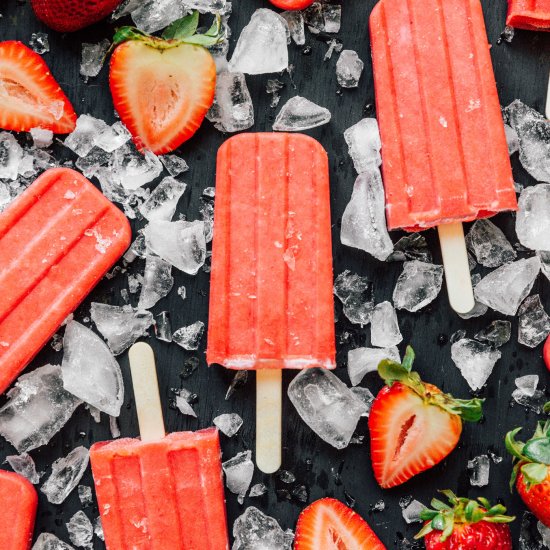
[271, 303]
[444, 152]
[533, 15]
[18, 502]
[57, 240]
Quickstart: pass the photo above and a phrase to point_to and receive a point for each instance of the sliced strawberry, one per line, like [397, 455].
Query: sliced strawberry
[329, 524]
[546, 353]
[292, 4]
[413, 425]
[162, 89]
[30, 97]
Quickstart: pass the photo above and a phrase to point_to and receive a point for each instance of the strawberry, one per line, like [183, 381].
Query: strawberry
[546, 353]
[292, 4]
[327, 523]
[531, 473]
[72, 15]
[29, 95]
[465, 525]
[163, 87]
[413, 425]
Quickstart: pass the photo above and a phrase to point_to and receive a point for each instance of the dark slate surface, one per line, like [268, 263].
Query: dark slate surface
[521, 72]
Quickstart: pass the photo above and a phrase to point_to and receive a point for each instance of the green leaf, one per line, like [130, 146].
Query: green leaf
[439, 505]
[424, 531]
[182, 28]
[538, 450]
[123, 34]
[438, 523]
[514, 476]
[211, 37]
[408, 360]
[534, 473]
[470, 410]
[546, 408]
[515, 448]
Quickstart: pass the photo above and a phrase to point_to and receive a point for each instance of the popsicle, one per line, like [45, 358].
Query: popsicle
[57, 240]
[271, 303]
[18, 502]
[533, 15]
[444, 154]
[161, 491]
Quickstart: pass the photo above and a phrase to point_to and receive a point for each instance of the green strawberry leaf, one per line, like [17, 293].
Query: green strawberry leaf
[538, 450]
[408, 360]
[182, 28]
[123, 34]
[212, 36]
[515, 448]
[534, 473]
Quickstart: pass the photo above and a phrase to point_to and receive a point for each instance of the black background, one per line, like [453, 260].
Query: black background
[521, 72]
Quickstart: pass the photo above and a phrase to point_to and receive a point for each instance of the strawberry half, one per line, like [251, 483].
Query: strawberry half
[531, 473]
[163, 87]
[327, 523]
[413, 425]
[292, 4]
[466, 525]
[29, 95]
[546, 353]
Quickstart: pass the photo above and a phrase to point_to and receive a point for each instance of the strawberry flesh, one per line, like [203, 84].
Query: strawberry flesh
[476, 536]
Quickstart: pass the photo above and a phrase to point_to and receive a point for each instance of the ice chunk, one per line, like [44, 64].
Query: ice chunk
[533, 218]
[545, 263]
[85, 495]
[180, 243]
[39, 42]
[511, 139]
[232, 110]
[66, 475]
[544, 533]
[82, 139]
[162, 203]
[157, 281]
[229, 424]
[385, 331]
[326, 405]
[47, 541]
[411, 512]
[365, 395]
[418, 285]
[189, 337]
[535, 402]
[334, 45]
[411, 247]
[207, 214]
[257, 490]
[364, 360]
[505, 288]
[534, 323]
[299, 114]
[527, 384]
[238, 473]
[163, 327]
[131, 169]
[93, 57]
[332, 16]
[497, 333]
[37, 408]
[113, 137]
[348, 69]
[81, 530]
[174, 164]
[11, 155]
[203, 6]
[364, 144]
[183, 405]
[98, 529]
[479, 468]
[90, 371]
[239, 379]
[120, 326]
[41, 138]
[475, 361]
[153, 15]
[356, 294]
[488, 243]
[24, 465]
[314, 19]
[262, 45]
[295, 22]
[253, 530]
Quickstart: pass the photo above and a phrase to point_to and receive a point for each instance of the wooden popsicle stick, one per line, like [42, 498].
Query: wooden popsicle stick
[268, 419]
[146, 392]
[457, 272]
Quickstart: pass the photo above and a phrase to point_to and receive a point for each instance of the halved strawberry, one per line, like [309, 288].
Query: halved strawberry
[327, 523]
[163, 88]
[546, 353]
[292, 4]
[413, 425]
[30, 97]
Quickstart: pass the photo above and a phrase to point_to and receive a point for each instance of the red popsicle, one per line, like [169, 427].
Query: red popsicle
[57, 240]
[533, 15]
[18, 502]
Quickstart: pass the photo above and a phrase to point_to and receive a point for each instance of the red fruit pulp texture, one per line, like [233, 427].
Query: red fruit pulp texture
[476, 536]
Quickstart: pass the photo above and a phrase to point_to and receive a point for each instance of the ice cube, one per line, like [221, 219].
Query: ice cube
[364, 144]
[232, 110]
[332, 16]
[131, 169]
[82, 139]
[257, 490]
[157, 281]
[365, 395]
[238, 473]
[475, 361]
[90, 371]
[183, 405]
[207, 214]
[411, 512]
[81, 530]
[535, 402]
[418, 285]
[47, 541]
[262, 45]
[189, 337]
[356, 294]
[182, 292]
[85, 495]
[488, 243]
[534, 323]
[497, 333]
[174, 164]
[364, 220]
[479, 468]
[385, 331]
[93, 57]
[505, 288]
[527, 384]
[239, 379]
[348, 69]
[253, 530]
[229, 424]
[11, 155]
[113, 137]
[334, 45]
[411, 247]
[24, 465]
[66, 475]
[511, 139]
[545, 263]
[314, 19]
[120, 326]
[209, 192]
[544, 533]
[153, 15]
[326, 405]
[203, 6]
[163, 327]
[180, 243]
[41, 138]
[39, 42]
[295, 22]
[162, 203]
[113, 426]
[37, 408]
[98, 529]
[299, 114]
[533, 217]
[364, 360]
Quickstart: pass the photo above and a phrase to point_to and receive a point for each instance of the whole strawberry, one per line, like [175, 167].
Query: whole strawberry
[72, 15]
[531, 473]
[465, 524]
